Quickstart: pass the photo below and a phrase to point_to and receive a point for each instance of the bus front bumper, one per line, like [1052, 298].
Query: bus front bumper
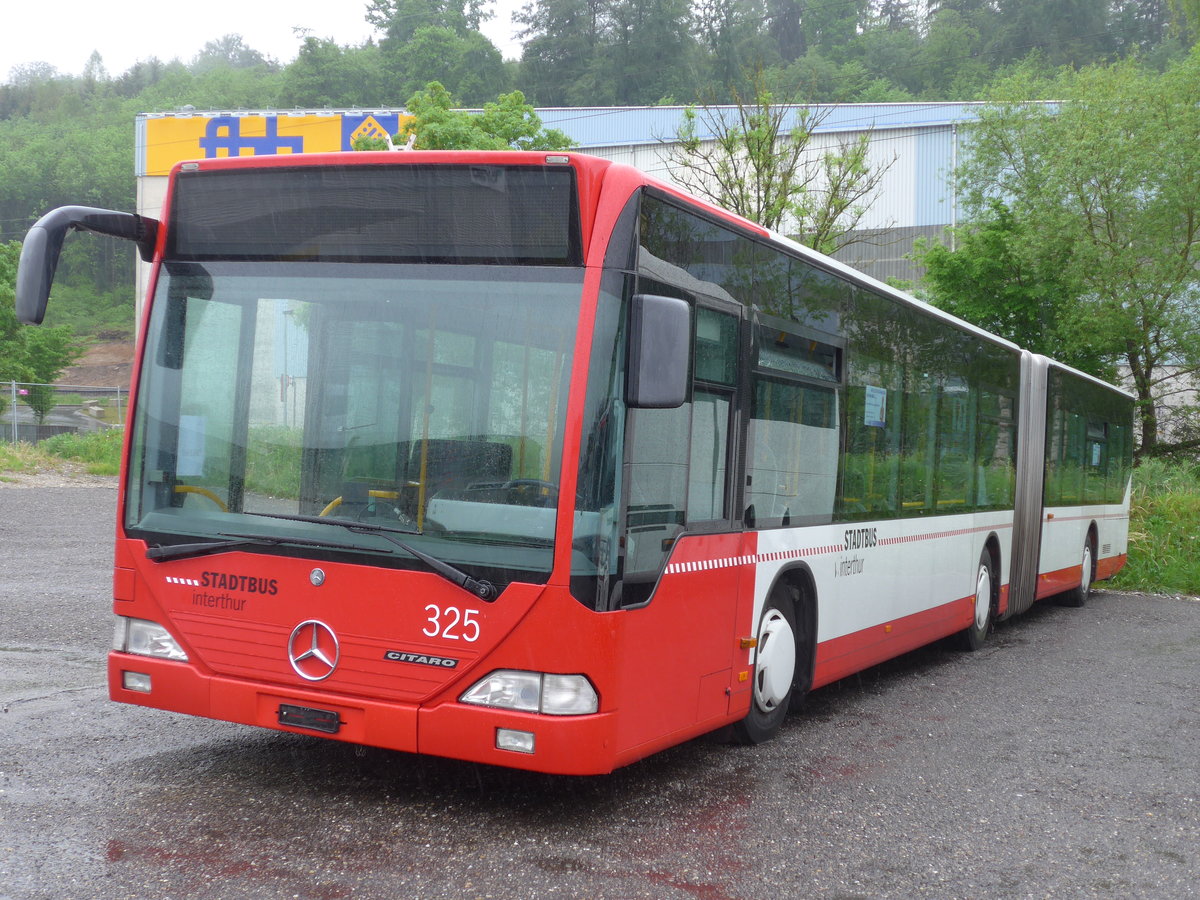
[566, 745]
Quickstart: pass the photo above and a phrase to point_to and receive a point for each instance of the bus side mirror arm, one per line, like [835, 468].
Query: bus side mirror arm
[43, 244]
[660, 341]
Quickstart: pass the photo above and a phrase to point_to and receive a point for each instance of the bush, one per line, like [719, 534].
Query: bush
[1164, 518]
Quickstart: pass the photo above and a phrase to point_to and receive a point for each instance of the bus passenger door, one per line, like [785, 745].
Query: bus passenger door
[680, 581]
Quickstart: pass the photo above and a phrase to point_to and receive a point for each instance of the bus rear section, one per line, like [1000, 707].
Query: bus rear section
[1088, 458]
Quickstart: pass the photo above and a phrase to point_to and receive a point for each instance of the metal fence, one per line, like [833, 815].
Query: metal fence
[31, 413]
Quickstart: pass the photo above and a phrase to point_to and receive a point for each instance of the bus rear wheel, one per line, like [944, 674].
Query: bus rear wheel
[774, 673]
[1078, 595]
[975, 635]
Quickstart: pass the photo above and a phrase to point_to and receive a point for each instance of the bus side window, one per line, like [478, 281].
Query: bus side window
[792, 438]
[870, 479]
[996, 384]
[955, 444]
[1095, 463]
[792, 455]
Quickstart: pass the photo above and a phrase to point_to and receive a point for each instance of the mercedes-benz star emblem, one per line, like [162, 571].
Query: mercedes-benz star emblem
[313, 650]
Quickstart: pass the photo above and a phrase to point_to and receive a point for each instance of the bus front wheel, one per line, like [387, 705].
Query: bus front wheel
[774, 673]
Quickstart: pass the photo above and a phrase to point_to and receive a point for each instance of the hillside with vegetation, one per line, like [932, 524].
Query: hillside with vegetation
[68, 138]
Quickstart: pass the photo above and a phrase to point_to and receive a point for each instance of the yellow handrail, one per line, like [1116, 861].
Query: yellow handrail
[203, 492]
[378, 495]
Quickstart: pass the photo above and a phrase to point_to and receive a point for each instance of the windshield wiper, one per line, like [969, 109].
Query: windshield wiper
[164, 552]
[484, 590]
[329, 520]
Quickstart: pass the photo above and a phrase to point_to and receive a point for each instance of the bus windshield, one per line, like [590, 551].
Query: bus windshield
[428, 399]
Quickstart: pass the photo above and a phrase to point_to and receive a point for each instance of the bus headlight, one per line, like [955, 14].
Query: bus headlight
[145, 638]
[552, 695]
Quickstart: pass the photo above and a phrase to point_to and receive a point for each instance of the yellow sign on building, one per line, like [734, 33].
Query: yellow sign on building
[164, 140]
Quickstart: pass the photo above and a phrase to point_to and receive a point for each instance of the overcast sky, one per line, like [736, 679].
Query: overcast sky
[65, 32]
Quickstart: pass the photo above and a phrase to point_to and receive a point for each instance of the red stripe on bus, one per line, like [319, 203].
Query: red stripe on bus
[842, 656]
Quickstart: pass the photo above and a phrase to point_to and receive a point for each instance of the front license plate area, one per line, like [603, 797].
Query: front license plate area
[323, 720]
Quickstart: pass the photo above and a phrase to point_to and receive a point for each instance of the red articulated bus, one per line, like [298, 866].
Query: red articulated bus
[532, 460]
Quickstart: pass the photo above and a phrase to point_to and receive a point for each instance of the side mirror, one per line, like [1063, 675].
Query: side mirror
[43, 244]
[660, 340]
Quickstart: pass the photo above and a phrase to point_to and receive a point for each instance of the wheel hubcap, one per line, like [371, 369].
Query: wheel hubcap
[983, 597]
[776, 662]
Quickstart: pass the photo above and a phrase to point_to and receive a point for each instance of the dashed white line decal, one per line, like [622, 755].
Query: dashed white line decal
[679, 568]
[704, 565]
[190, 582]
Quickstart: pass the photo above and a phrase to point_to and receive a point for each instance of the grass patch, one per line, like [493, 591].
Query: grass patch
[97, 451]
[23, 458]
[1164, 522]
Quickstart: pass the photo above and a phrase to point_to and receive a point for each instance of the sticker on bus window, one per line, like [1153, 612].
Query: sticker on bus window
[190, 459]
[875, 411]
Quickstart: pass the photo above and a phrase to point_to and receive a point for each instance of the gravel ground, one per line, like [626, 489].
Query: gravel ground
[68, 475]
[1059, 761]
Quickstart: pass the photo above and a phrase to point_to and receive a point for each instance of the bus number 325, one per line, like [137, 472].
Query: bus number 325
[451, 623]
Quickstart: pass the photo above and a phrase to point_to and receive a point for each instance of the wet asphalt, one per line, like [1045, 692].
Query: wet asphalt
[1060, 761]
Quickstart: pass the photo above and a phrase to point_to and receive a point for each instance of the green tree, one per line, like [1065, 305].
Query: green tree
[48, 351]
[12, 364]
[437, 40]
[229, 51]
[1064, 32]
[1186, 16]
[325, 73]
[66, 156]
[995, 278]
[951, 61]
[562, 58]
[732, 41]
[754, 158]
[832, 27]
[1105, 184]
[400, 20]
[35, 356]
[596, 52]
[783, 22]
[507, 124]
[469, 65]
[1139, 26]
[889, 45]
[644, 33]
[800, 26]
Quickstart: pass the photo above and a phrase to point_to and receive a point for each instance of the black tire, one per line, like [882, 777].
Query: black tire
[987, 591]
[1078, 595]
[806, 645]
[774, 673]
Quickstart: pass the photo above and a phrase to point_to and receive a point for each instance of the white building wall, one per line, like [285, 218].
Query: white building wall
[151, 194]
[892, 204]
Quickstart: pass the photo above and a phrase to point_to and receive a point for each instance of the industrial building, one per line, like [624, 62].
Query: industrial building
[915, 144]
